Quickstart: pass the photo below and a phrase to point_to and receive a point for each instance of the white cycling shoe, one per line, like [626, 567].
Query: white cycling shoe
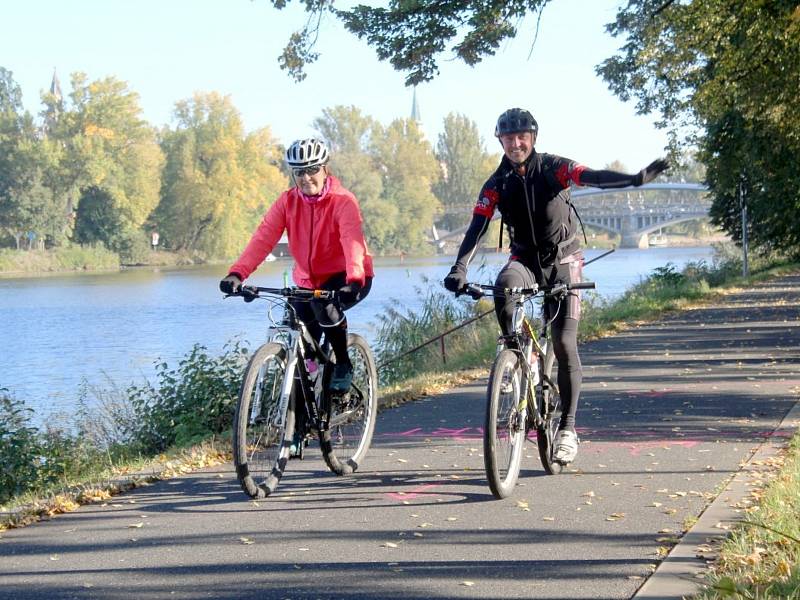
[566, 446]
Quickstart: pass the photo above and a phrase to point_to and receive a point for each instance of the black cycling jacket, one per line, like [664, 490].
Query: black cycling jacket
[534, 201]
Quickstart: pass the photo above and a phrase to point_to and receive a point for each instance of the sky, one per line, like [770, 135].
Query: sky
[168, 49]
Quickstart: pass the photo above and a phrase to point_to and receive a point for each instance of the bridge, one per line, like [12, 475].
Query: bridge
[632, 212]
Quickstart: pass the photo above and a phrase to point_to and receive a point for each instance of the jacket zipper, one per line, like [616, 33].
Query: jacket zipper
[311, 247]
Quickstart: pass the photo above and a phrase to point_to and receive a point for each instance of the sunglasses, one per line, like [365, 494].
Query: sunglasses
[306, 171]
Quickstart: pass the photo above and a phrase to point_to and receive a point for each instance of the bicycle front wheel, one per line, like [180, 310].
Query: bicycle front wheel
[550, 411]
[504, 429]
[261, 435]
[352, 415]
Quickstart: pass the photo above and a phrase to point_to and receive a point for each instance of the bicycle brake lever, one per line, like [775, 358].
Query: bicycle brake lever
[248, 293]
[473, 291]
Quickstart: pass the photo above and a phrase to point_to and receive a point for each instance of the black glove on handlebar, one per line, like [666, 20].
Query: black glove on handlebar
[651, 171]
[456, 279]
[349, 293]
[232, 284]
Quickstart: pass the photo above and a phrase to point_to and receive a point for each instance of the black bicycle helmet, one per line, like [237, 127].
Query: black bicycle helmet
[515, 120]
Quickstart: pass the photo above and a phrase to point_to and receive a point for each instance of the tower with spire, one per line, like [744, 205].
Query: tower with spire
[55, 108]
[415, 108]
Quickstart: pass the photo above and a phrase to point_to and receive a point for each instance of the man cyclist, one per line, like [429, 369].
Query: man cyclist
[322, 220]
[532, 192]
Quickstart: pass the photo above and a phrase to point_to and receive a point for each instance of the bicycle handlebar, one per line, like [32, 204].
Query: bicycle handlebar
[251, 292]
[478, 290]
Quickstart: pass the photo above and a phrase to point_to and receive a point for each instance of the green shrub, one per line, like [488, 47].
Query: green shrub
[190, 402]
[399, 332]
[19, 448]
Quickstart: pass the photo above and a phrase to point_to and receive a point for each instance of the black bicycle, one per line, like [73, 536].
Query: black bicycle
[284, 398]
[522, 395]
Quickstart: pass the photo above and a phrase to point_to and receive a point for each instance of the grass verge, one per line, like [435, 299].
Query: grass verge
[760, 560]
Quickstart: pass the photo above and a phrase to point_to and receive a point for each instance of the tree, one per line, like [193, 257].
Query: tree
[728, 71]
[465, 165]
[105, 153]
[27, 205]
[217, 181]
[411, 34]
[409, 171]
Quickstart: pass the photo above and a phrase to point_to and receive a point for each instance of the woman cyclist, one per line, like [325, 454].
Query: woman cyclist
[322, 220]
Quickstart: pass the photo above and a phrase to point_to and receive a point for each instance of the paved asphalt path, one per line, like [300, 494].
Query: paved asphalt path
[670, 411]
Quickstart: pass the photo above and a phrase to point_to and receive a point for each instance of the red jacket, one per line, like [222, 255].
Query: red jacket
[325, 237]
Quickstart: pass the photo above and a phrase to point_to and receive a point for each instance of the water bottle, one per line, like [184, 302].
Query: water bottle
[313, 373]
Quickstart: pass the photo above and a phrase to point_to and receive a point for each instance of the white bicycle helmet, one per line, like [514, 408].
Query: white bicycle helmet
[310, 152]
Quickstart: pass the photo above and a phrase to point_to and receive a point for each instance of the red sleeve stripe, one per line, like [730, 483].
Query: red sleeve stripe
[565, 174]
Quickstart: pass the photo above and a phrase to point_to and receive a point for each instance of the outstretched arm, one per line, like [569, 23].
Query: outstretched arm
[613, 179]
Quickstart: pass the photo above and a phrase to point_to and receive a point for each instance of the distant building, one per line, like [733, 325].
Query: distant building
[415, 108]
[56, 108]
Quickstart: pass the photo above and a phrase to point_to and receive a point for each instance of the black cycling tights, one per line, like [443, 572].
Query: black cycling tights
[570, 374]
[564, 332]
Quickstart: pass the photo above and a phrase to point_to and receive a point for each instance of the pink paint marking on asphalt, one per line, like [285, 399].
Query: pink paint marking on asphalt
[458, 434]
[408, 433]
[636, 448]
[415, 493]
[464, 433]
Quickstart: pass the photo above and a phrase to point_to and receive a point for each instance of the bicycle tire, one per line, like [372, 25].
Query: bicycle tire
[260, 445]
[550, 410]
[352, 417]
[504, 428]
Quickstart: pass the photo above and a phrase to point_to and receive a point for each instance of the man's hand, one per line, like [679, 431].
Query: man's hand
[651, 171]
[231, 284]
[456, 279]
[349, 293]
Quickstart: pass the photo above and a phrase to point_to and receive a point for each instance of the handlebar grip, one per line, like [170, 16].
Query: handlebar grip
[473, 291]
[582, 285]
[248, 293]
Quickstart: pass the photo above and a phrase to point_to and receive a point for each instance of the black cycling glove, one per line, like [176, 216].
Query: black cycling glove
[456, 279]
[349, 293]
[232, 284]
[651, 171]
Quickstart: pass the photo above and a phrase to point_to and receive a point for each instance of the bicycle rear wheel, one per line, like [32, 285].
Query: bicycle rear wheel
[260, 443]
[504, 429]
[352, 415]
[550, 410]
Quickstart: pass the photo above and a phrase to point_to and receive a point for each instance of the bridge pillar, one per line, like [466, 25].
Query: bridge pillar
[631, 238]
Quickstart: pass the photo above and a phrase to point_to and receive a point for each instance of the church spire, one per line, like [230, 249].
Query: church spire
[415, 107]
[55, 87]
[55, 108]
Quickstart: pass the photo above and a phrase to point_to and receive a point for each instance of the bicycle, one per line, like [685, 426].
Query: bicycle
[522, 395]
[284, 398]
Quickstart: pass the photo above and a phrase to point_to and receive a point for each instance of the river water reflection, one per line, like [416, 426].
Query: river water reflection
[109, 330]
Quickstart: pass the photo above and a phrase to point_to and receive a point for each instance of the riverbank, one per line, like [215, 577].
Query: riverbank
[164, 413]
[733, 308]
[75, 258]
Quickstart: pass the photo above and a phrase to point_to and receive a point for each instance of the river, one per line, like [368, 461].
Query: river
[61, 332]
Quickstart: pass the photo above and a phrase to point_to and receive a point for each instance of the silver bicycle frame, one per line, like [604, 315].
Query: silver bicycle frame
[289, 338]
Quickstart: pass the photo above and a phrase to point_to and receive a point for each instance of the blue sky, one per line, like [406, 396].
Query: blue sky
[168, 49]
